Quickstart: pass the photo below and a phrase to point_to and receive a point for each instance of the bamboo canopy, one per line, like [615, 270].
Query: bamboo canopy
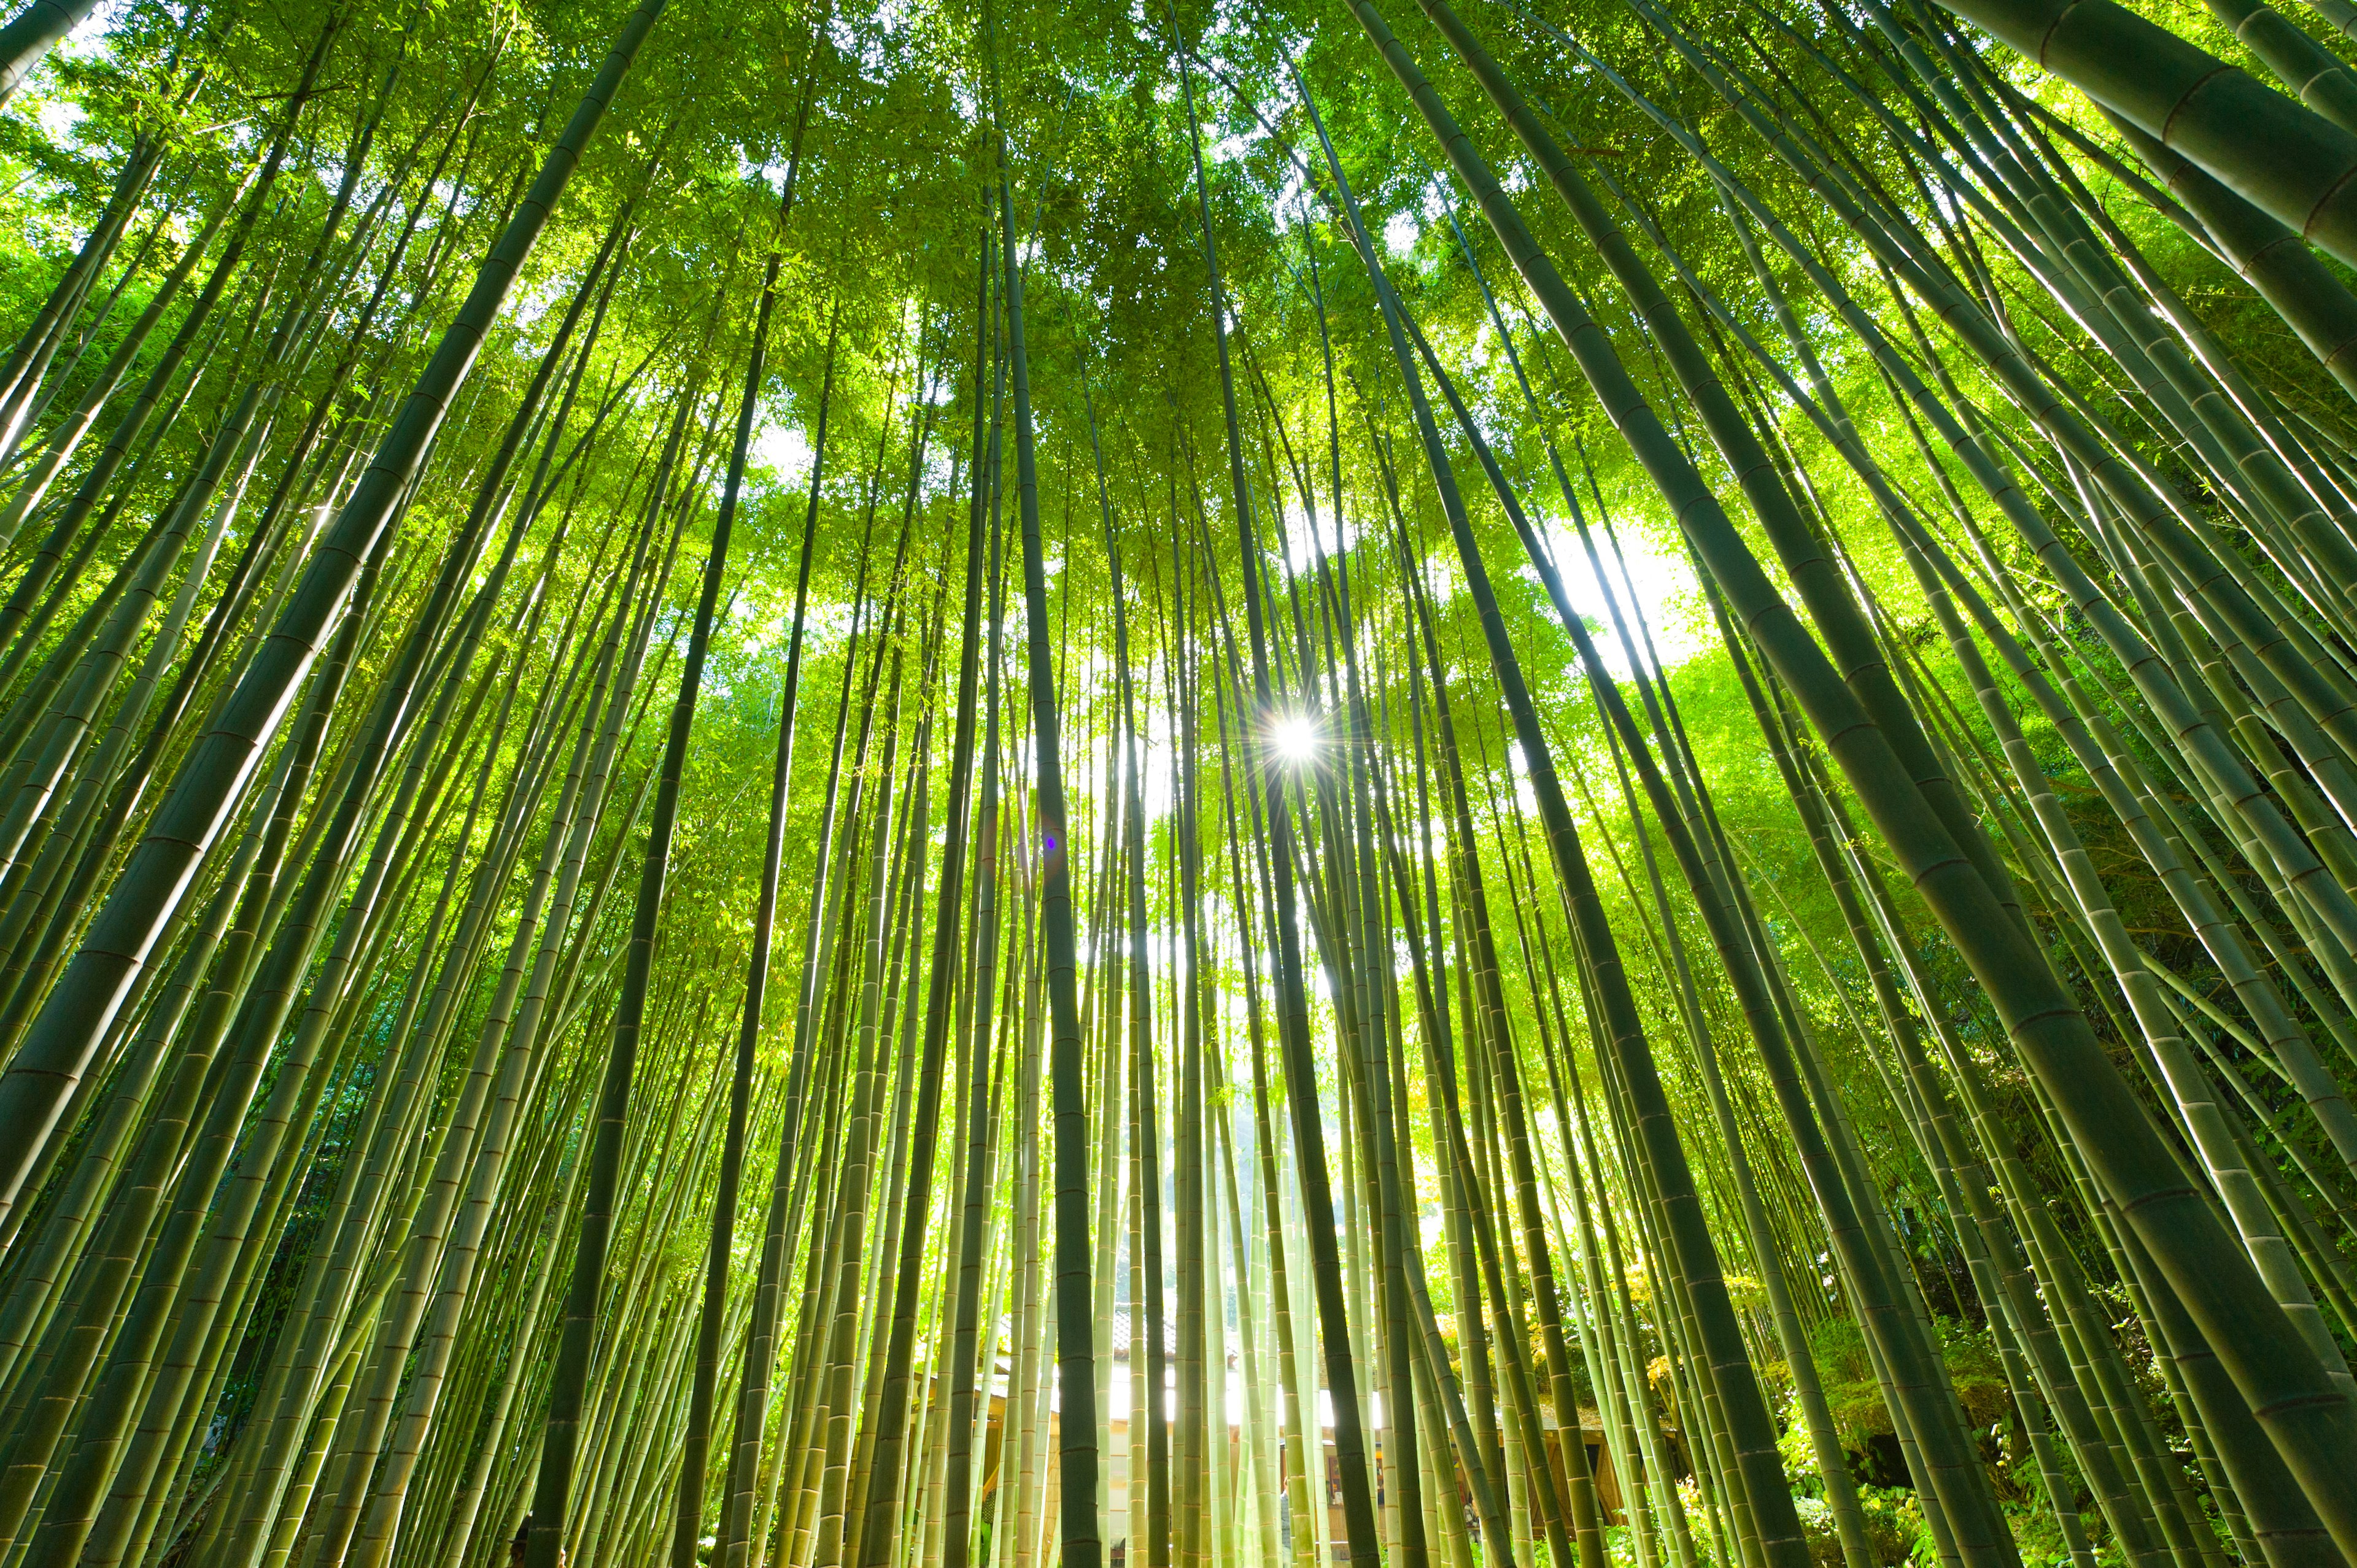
[1550, 782]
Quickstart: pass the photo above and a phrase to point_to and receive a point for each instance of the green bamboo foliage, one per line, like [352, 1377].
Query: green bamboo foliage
[55, 1054]
[1414, 1020]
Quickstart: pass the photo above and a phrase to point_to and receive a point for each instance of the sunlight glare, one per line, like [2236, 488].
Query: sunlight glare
[1294, 737]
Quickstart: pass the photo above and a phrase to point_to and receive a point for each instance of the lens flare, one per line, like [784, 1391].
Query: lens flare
[1294, 737]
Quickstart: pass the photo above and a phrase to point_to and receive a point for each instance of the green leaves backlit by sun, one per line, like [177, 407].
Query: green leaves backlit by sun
[794, 785]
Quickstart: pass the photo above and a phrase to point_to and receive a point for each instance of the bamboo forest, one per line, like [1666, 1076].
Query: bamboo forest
[1178, 783]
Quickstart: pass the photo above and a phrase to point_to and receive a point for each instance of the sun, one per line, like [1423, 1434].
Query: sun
[1294, 737]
